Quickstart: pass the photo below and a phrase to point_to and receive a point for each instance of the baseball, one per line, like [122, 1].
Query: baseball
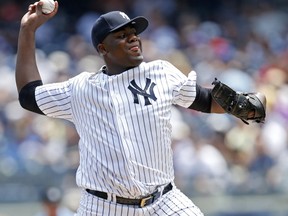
[48, 6]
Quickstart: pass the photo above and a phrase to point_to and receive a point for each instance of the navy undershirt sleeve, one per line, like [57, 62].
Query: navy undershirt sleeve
[27, 97]
[203, 100]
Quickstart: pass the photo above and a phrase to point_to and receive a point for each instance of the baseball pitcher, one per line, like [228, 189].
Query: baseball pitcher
[122, 114]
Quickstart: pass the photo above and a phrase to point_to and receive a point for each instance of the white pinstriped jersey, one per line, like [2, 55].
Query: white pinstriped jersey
[124, 124]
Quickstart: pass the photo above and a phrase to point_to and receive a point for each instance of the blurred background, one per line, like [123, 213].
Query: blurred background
[228, 168]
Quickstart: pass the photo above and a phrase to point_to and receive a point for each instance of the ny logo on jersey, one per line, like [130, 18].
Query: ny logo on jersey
[136, 90]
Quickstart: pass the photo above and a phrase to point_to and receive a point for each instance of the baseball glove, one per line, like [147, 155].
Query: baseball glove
[246, 106]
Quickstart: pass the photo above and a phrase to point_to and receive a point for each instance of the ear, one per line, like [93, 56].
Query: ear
[101, 49]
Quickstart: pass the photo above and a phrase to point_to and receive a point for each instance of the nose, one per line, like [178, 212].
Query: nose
[133, 38]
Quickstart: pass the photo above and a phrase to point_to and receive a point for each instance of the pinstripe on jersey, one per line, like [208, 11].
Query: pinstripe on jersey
[124, 146]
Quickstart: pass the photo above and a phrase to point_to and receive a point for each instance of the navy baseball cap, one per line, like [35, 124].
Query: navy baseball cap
[113, 21]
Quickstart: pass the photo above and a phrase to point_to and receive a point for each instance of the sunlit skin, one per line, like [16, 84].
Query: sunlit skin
[121, 50]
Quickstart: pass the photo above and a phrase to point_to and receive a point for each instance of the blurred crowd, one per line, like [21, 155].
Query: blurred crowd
[242, 43]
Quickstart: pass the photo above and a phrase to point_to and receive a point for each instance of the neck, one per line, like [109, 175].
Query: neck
[114, 71]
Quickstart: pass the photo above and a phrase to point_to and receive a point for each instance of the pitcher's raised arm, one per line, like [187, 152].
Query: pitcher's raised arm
[26, 67]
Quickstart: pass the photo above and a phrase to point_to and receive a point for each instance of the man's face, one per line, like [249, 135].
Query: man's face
[122, 49]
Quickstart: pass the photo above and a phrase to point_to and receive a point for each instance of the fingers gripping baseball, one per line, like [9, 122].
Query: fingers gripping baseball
[246, 106]
[35, 17]
[49, 8]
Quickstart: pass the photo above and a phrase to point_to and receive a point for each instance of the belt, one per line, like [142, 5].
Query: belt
[147, 200]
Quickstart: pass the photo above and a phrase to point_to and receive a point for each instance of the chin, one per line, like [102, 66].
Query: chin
[137, 59]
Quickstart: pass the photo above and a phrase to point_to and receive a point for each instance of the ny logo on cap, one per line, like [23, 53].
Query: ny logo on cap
[124, 16]
[147, 92]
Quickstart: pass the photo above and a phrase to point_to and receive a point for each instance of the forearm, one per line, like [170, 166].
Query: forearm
[26, 67]
[216, 108]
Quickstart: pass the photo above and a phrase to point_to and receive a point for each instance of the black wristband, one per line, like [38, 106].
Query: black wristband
[203, 100]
